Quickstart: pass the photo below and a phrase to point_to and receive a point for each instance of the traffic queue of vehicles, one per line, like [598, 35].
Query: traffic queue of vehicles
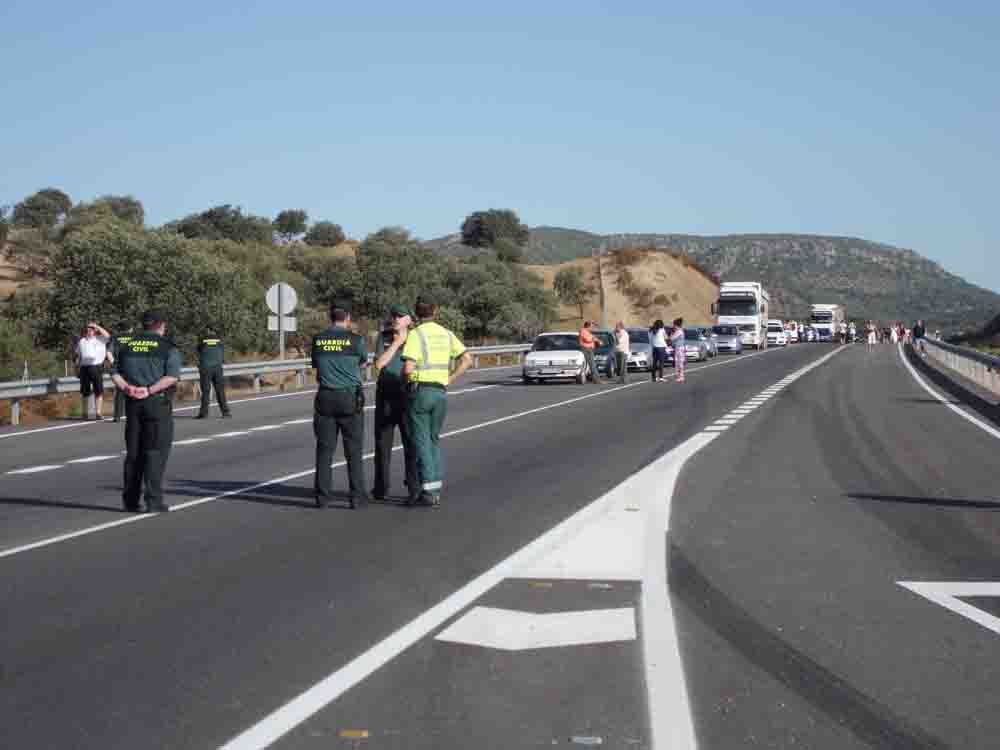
[741, 322]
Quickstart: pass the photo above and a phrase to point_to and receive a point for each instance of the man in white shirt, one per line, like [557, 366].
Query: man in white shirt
[92, 350]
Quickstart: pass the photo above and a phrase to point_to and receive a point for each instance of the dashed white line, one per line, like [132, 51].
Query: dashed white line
[92, 459]
[36, 469]
[192, 441]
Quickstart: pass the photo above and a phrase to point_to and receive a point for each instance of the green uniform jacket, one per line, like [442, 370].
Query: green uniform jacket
[147, 357]
[337, 356]
[211, 353]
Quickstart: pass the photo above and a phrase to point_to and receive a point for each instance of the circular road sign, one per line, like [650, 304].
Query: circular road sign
[289, 299]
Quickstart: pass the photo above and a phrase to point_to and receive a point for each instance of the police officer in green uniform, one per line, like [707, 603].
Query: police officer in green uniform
[148, 368]
[428, 354]
[338, 356]
[117, 341]
[390, 405]
[211, 352]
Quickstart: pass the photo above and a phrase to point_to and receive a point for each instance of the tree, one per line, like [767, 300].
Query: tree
[508, 252]
[43, 210]
[291, 223]
[124, 208]
[4, 226]
[225, 223]
[394, 268]
[486, 228]
[325, 234]
[571, 288]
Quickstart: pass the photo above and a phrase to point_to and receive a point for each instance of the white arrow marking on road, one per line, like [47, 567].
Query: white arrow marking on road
[946, 594]
[510, 630]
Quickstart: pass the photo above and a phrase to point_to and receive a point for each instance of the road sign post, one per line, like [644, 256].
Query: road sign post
[281, 300]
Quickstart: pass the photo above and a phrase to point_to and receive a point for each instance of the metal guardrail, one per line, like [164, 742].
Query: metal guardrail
[15, 391]
[979, 367]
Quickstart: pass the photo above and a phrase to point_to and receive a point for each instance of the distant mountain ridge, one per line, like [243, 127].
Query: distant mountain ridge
[872, 279]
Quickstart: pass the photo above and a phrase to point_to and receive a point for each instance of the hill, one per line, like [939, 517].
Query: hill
[874, 280]
[638, 288]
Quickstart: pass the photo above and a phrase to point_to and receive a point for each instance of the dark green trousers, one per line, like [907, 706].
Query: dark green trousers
[209, 379]
[120, 398]
[426, 414]
[390, 414]
[149, 434]
[336, 412]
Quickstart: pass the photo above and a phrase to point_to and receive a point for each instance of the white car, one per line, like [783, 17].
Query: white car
[793, 335]
[555, 356]
[776, 335]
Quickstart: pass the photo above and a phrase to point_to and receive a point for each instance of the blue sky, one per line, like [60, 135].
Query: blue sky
[609, 117]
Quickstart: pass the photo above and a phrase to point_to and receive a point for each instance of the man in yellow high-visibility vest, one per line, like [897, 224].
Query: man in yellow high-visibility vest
[428, 354]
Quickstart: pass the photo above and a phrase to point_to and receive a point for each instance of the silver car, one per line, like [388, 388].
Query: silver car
[696, 344]
[727, 339]
[641, 349]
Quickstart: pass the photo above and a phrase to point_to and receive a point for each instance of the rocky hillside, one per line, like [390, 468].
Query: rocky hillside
[872, 279]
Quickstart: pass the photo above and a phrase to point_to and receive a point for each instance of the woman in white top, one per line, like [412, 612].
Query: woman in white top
[872, 336]
[92, 350]
[680, 348]
[658, 338]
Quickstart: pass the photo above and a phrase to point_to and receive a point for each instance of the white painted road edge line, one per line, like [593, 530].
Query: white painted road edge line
[989, 429]
[297, 475]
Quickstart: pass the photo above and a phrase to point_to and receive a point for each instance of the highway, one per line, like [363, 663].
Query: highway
[745, 560]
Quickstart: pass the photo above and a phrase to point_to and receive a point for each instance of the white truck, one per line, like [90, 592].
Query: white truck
[828, 321]
[746, 305]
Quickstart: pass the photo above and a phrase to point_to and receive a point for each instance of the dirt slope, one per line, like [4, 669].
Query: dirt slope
[661, 287]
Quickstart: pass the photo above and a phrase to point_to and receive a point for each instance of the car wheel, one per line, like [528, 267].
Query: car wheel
[528, 381]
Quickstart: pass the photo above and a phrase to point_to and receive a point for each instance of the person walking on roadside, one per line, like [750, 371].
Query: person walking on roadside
[919, 331]
[117, 342]
[680, 348]
[92, 351]
[147, 370]
[894, 334]
[587, 345]
[338, 356]
[211, 354]
[872, 336]
[390, 405]
[658, 338]
[428, 354]
[622, 347]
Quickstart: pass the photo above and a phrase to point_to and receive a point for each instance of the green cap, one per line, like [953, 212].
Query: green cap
[400, 310]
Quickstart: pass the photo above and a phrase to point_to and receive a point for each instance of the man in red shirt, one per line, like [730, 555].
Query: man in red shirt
[587, 344]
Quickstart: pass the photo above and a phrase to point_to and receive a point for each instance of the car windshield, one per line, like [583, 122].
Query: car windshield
[750, 327]
[822, 317]
[775, 329]
[556, 342]
[726, 330]
[737, 307]
[692, 333]
[638, 336]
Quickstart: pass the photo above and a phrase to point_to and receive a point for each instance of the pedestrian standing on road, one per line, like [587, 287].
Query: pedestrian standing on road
[390, 405]
[147, 371]
[680, 348]
[117, 342]
[587, 344]
[92, 351]
[894, 334]
[211, 355]
[622, 345]
[919, 331]
[339, 355]
[871, 334]
[428, 354]
[658, 338]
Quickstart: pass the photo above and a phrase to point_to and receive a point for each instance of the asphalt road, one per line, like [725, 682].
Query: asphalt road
[788, 536]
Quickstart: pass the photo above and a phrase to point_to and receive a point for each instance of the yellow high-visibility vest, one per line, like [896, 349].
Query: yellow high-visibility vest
[431, 348]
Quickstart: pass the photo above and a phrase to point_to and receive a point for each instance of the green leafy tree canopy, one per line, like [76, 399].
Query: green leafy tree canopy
[225, 223]
[325, 234]
[571, 287]
[43, 210]
[487, 228]
[291, 223]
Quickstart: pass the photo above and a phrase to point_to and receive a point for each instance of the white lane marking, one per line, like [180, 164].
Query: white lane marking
[989, 429]
[304, 392]
[192, 441]
[234, 433]
[511, 630]
[307, 420]
[726, 421]
[265, 427]
[947, 593]
[713, 428]
[297, 475]
[36, 469]
[92, 459]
